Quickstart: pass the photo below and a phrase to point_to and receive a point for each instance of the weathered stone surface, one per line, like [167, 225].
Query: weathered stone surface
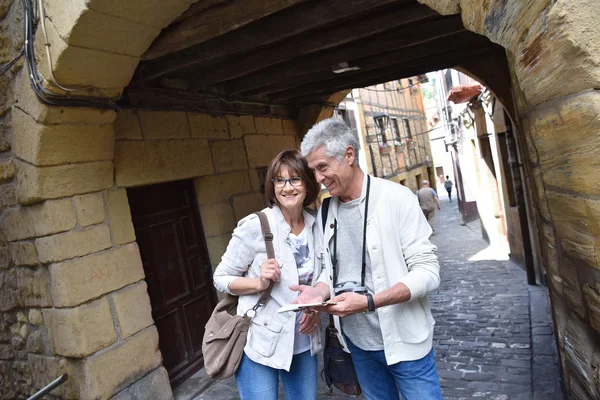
[71, 244]
[229, 155]
[132, 306]
[149, 162]
[6, 352]
[157, 13]
[217, 219]
[90, 209]
[6, 94]
[261, 149]
[46, 145]
[8, 195]
[579, 345]
[49, 217]
[120, 216]
[35, 317]
[24, 287]
[104, 374]
[208, 127]
[246, 204]
[5, 48]
[127, 126]
[37, 342]
[216, 247]
[565, 134]
[217, 188]
[576, 221]
[23, 253]
[80, 331]
[77, 281]
[163, 124]
[42, 183]
[592, 299]
[444, 7]
[289, 127]
[7, 170]
[239, 126]
[154, 386]
[45, 369]
[22, 317]
[268, 125]
[4, 7]
[90, 29]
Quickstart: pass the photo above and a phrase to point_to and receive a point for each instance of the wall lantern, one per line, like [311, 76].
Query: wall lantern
[382, 121]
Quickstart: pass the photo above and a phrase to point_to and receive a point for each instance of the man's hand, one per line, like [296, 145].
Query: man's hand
[309, 322]
[348, 304]
[308, 294]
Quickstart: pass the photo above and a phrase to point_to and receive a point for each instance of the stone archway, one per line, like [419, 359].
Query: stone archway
[66, 195]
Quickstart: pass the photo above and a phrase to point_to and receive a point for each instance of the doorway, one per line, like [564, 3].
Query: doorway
[178, 271]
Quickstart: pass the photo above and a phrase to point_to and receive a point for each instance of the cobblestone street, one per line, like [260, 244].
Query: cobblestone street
[493, 335]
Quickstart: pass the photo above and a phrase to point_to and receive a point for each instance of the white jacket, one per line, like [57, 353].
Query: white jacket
[400, 251]
[271, 336]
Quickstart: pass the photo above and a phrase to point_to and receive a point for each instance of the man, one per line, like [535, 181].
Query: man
[428, 199]
[389, 329]
[448, 185]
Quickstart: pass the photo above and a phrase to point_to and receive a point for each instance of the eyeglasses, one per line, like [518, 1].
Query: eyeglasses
[280, 182]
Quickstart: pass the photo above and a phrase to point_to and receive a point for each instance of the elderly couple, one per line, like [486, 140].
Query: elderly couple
[388, 330]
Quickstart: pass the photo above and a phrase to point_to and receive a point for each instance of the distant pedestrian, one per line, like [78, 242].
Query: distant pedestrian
[448, 185]
[428, 199]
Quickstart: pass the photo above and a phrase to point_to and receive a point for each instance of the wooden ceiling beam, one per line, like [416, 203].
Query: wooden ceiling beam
[262, 32]
[415, 67]
[407, 35]
[357, 29]
[213, 22]
[403, 55]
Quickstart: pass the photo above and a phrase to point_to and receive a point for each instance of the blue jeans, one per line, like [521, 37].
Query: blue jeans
[259, 382]
[416, 380]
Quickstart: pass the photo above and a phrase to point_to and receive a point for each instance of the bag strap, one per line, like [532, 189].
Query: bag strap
[268, 236]
[325, 211]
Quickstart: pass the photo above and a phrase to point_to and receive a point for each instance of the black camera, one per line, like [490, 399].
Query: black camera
[349, 287]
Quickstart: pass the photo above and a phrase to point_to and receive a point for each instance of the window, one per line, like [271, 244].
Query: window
[396, 131]
[406, 123]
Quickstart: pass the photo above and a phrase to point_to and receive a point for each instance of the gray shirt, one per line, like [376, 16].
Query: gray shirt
[362, 329]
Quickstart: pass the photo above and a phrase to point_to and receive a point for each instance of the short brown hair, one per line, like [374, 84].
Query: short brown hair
[297, 165]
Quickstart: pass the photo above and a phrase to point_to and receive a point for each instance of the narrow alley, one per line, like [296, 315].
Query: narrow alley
[493, 336]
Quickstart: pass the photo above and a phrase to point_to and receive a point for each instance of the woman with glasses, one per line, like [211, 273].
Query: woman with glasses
[280, 345]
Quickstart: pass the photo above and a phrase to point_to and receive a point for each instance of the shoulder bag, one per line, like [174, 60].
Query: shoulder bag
[225, 332]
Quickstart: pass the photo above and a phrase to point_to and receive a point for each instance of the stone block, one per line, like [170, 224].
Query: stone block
[38, 342]
[5, 256]
[163, 124]
[24, 287]
[575, 220]
[127, 126]
[444, 7]
[256, 179]
[132, 306]
[247, 204]
[239, 126]
[216, 247]
[261, 149]
[571, 285]
[106, 373]
[120, 216]
[208, 127]
[90, 209]
[76, 243]
[217, 219]
[149, 162]
[80, 331]
[7, 170]
[42, 183]
[289, 127]
[229, 155]
[30, 104]
[154, 386]
[6, 94]
[83, 27]
[565, 135]
[35, 317]
[77, 281]
[23, 253]
[217, 188]
[267, 126]
[45, 369]
[8, 195]
[5, 48]
[592, 299]
[42, 219]
[79, 66]
[157, 13]
[46, 145]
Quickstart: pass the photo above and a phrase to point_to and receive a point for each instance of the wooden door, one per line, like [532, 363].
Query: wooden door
[178, 271]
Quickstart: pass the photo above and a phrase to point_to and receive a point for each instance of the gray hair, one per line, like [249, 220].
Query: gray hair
[334, 135]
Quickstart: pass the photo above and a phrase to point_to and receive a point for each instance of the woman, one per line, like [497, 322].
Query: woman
[280, 345]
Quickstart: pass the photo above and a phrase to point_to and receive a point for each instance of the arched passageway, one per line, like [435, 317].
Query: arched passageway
[221, 87]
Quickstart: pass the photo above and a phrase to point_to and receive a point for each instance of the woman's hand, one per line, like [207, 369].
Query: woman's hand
[269, 271]
[309, 322]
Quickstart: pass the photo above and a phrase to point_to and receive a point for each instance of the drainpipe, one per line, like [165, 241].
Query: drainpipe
[513, 161]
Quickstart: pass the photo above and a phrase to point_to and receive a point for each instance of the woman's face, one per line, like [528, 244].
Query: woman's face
[292, 194]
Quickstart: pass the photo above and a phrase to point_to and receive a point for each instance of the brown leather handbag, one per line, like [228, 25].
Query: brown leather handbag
[226, 332]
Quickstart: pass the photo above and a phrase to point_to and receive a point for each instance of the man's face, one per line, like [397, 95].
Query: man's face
[336, 176]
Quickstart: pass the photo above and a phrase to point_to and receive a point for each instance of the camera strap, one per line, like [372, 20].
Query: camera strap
[334, 259]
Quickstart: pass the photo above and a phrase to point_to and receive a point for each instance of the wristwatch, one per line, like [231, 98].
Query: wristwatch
[370, 303]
